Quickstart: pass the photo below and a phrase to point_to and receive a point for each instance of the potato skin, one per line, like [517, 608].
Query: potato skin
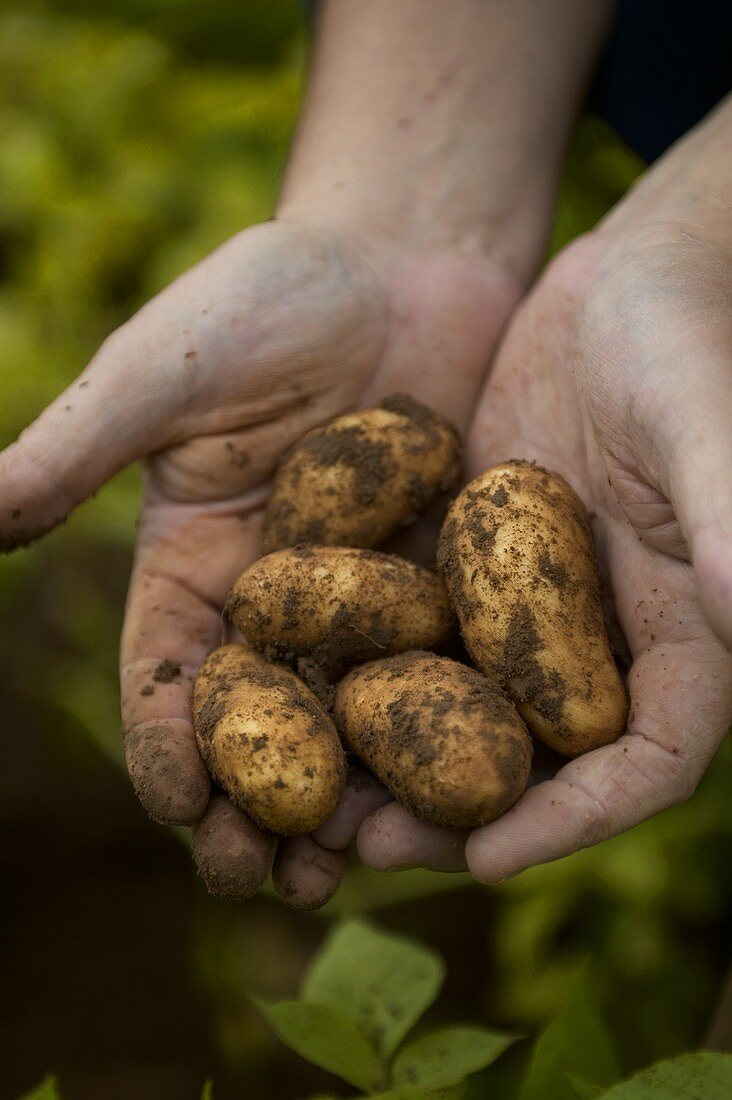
[267, 741]
[359, 478]
[442, 738]
[337, 606]
[517, 554]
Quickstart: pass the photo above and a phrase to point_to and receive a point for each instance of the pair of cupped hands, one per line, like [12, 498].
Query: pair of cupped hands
[615, 370]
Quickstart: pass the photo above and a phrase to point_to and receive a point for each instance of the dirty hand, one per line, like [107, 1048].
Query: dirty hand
[280, 328]
[617, 373]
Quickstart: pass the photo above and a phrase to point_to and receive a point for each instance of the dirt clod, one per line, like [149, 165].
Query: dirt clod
[166, 672]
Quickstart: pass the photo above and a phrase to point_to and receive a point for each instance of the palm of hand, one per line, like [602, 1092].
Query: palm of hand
[680, 682]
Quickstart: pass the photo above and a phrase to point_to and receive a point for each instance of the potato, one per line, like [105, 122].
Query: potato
[517, 554]
[337, 606]
[359, 478]
[267, 741]
[441, 737]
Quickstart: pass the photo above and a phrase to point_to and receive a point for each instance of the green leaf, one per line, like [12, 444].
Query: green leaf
[585, 1090]
[380, 981]
[207, 1093]
[448, 1056]
[576, 1042]
[47, 1090]
[455, 1093]
[687, 1077]
[323, 1036]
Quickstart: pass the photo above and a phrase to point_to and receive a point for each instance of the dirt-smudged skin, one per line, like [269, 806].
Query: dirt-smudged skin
[233, 856]
[517, 554]
[362, 476]
[267, 741]
[338, 606]
[442, 738]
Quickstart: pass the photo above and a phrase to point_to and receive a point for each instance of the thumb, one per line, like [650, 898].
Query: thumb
[124, 405]
[700, 487]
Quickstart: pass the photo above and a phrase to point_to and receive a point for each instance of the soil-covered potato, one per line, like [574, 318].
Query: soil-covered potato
[442, 738]
[518, 557]
[337, 606]
[359, 478]
[267, 741]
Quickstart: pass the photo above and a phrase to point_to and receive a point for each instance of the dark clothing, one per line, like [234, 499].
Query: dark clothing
[667, 63]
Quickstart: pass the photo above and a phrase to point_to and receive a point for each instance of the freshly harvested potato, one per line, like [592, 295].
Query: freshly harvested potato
[337, 606]
[442, 738]
[517, 554]
[359, 478]
[267, 741]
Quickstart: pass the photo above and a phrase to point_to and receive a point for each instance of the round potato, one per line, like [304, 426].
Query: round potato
[517, 554]
[337, 606]
[442, 738]
[267, 741]
[359, 478]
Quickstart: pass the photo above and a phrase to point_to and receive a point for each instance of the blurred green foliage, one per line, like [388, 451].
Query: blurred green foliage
[136, 136]
[46, 1090]
[366, 989]
[362, 999]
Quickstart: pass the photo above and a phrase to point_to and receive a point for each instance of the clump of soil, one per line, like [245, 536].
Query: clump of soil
[554, 571]
[166, 672]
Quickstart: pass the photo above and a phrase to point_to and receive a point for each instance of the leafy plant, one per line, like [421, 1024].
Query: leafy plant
[364, 993]
[367, 989]
[684, 1078]
[574, 1051]
[46, 1090]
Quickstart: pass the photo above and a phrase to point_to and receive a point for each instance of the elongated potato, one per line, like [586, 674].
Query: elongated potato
[359, 478]
[442, 738]
[267, 741]
[517, 554]
[337, 606]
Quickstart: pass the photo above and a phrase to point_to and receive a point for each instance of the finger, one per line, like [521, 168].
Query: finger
[362, 796]
[167, 774]
[158, 668]
[186, 562]
[392, 840]
[681, 703]
[233, 856]
[305, 875]
[121, 407]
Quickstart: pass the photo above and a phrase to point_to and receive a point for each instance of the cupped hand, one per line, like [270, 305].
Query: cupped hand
[285, 325]
[616, 372]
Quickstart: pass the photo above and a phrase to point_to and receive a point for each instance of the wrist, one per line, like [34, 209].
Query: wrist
[505, 219]
[442, 126]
